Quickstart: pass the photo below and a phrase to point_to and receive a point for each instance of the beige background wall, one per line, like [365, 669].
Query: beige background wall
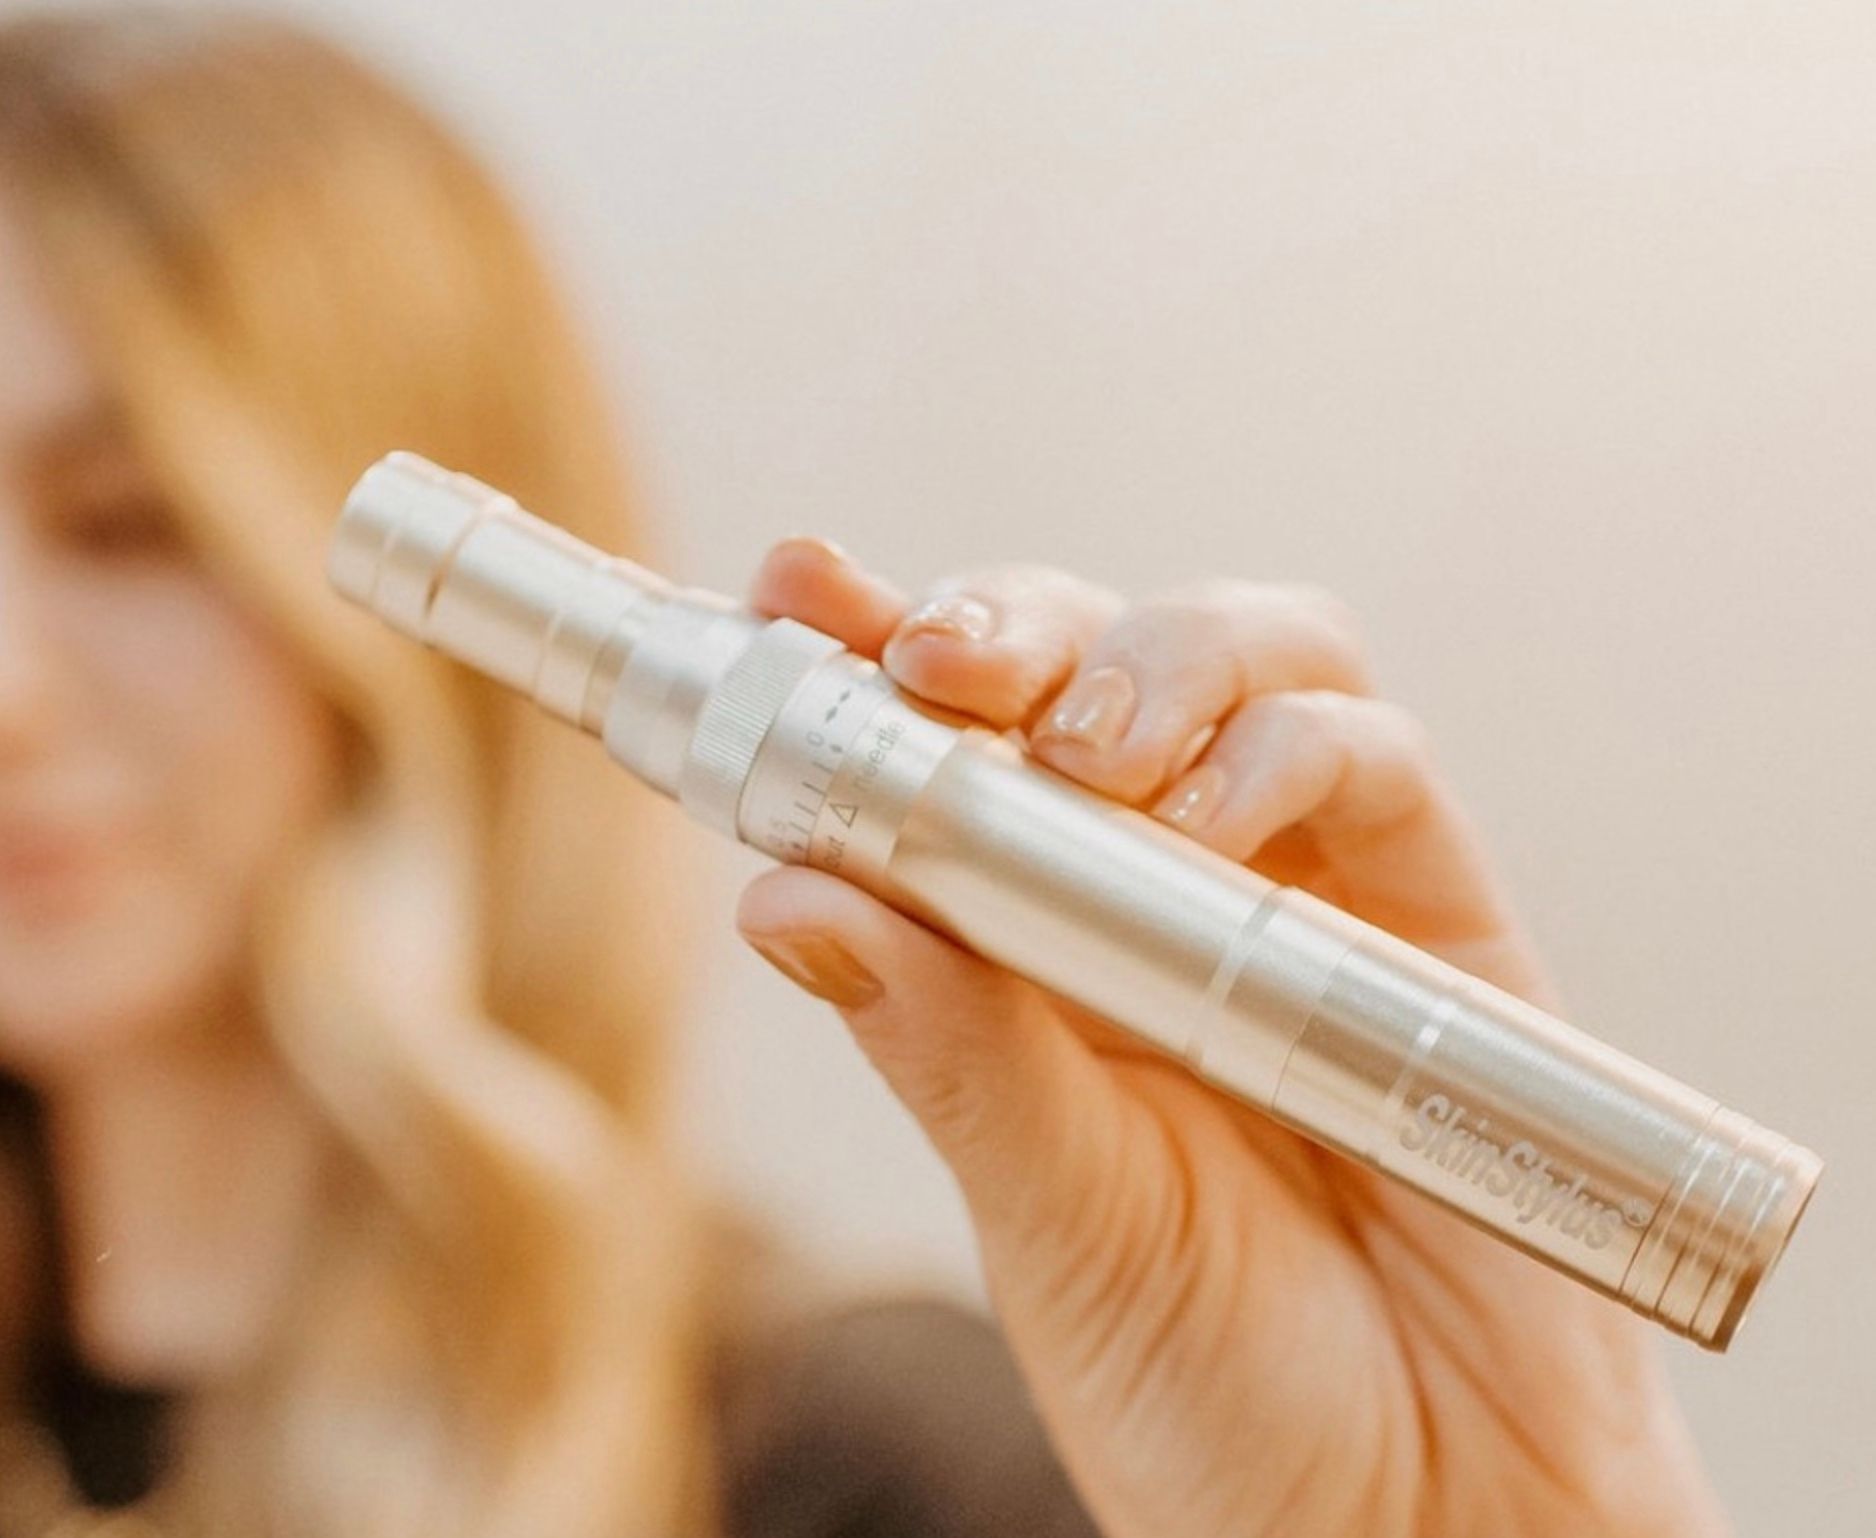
[1546, 333]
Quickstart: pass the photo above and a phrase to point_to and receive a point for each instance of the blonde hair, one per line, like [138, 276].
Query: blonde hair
[284, 267]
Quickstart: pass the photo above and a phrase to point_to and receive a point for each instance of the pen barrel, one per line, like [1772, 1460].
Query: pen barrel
[773, 733]
[1559, 1144]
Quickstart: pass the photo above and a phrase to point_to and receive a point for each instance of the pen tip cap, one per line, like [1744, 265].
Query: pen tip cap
[399, 524]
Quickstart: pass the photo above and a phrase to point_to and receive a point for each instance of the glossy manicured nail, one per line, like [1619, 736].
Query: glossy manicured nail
[956, 616]
[1095, 711]
[1190, 803]
[827, 547]
[820, 964]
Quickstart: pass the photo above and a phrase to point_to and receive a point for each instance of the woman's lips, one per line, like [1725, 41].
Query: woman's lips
[52, 873]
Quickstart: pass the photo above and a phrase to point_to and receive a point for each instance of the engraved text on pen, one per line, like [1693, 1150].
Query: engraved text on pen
[1521, 1173]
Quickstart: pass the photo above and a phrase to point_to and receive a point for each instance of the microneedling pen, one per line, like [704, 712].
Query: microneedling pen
[777, 735]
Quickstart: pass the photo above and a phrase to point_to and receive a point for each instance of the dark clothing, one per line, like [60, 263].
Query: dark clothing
[898, 1419]
[111, 1434]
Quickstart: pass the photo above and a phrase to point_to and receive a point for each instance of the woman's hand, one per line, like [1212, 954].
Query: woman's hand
[1227, 1329]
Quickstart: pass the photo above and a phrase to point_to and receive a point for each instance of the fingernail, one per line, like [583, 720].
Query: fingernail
[826, 546]
[1095, 711]
[1192, 800]
[956, 615]
[822, 965]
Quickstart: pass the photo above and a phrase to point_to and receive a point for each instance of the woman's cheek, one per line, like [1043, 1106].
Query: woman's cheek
[245, 752]
[225, 753]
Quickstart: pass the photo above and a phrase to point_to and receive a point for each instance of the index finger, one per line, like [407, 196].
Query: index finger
[815, 581]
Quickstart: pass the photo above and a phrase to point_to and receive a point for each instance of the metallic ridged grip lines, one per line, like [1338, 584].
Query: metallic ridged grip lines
[737, 716]
[1583, 1157]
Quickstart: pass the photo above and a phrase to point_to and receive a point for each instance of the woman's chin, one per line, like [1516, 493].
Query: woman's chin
[86, 997]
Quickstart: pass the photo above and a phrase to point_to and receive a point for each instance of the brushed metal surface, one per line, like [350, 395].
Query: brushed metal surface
[1582, 1156]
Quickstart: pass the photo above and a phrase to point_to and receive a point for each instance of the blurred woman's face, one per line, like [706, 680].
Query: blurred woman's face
[156, 747]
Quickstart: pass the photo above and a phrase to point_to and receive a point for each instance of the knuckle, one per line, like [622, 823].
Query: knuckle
[1279, 726]
[1233, 595]
[1331, 713]
[1380, 753]
[1213, 608]
[1395, 749]
[1408, 733]
[1330, 612]
[1008, 581]
[1336, 608]
[1183, 618]
[1315, 712]
[1211, 595]
[1312, 596]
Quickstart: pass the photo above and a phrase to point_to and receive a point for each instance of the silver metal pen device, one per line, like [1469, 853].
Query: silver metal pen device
[775, 734]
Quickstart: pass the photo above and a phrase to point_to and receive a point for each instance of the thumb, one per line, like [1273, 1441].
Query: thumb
[1009, 1094]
